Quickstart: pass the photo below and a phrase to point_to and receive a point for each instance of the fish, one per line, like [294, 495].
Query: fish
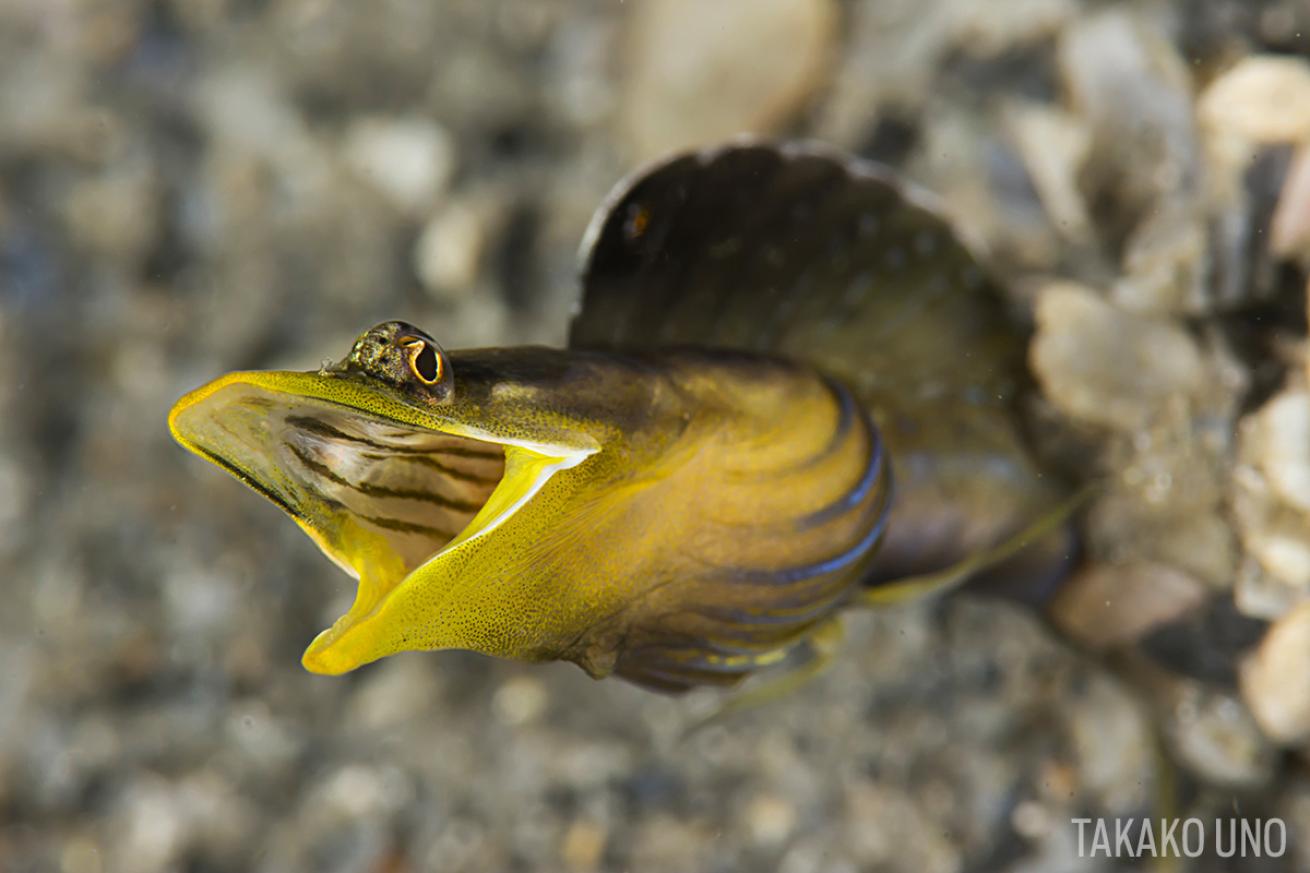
[790, 388]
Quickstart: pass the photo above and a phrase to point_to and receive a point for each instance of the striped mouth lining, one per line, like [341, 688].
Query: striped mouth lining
[379, 497]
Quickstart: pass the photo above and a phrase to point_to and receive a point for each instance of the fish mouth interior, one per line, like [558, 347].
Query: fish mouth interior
[380, 497]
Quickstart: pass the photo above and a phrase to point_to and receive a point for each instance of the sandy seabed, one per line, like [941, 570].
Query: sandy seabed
[188, 188]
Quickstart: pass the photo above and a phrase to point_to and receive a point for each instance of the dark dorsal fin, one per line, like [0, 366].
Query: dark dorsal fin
[789, 248]
[799, 251]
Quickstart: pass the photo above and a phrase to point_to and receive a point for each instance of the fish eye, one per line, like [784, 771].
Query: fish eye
[424, 362]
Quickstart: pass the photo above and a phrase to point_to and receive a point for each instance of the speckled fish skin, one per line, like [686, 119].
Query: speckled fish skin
[769, 336]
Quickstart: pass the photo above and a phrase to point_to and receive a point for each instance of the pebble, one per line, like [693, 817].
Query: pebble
[1104, 606]
[1054, 144]
[1113, 745]
[397, 692]
[200, 600]
[900, 51]
[81, 854]
[1261, 595]
[448, 254]
[1217, 738]
[979, 170]
[260, 737]
[1271, 487]
[1133, 88]
[770, 819]
[520, 700]
[1275, 679]
[1280, 544]
[583, 846]
[1243, 191]
[1262, 98]
[150, 828]
[662, 842]
[874, 826]
[354, 791]
[244, 109]
[115, 215]
[989, 29]
[1189, 530]
[1102, 365]
[1290, 232]
[764, 57]
[1284, 445]
[1164, 262]
[408, 159]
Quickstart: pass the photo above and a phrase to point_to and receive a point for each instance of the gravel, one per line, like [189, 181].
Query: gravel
[188, 188]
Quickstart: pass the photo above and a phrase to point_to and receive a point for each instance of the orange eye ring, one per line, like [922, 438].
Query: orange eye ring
[425, 362]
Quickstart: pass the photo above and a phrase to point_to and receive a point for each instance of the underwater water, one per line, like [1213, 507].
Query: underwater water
[193, 188]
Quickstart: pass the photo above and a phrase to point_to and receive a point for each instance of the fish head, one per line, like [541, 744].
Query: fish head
[462, 491]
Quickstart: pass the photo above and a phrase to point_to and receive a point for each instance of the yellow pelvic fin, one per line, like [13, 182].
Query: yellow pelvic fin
[821, 649]
[912, 587]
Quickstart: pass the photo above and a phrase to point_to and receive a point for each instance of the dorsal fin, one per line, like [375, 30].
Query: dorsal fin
[790, 249]
[799, 251]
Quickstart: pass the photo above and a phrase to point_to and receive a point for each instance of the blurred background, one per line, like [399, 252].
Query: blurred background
[197, 186]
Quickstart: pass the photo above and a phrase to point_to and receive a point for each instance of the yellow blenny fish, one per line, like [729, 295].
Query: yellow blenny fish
[789, 389]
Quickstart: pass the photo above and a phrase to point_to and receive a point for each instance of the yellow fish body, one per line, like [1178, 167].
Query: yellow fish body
[788, 381]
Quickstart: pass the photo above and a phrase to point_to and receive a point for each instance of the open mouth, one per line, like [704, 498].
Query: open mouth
[380, 496]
